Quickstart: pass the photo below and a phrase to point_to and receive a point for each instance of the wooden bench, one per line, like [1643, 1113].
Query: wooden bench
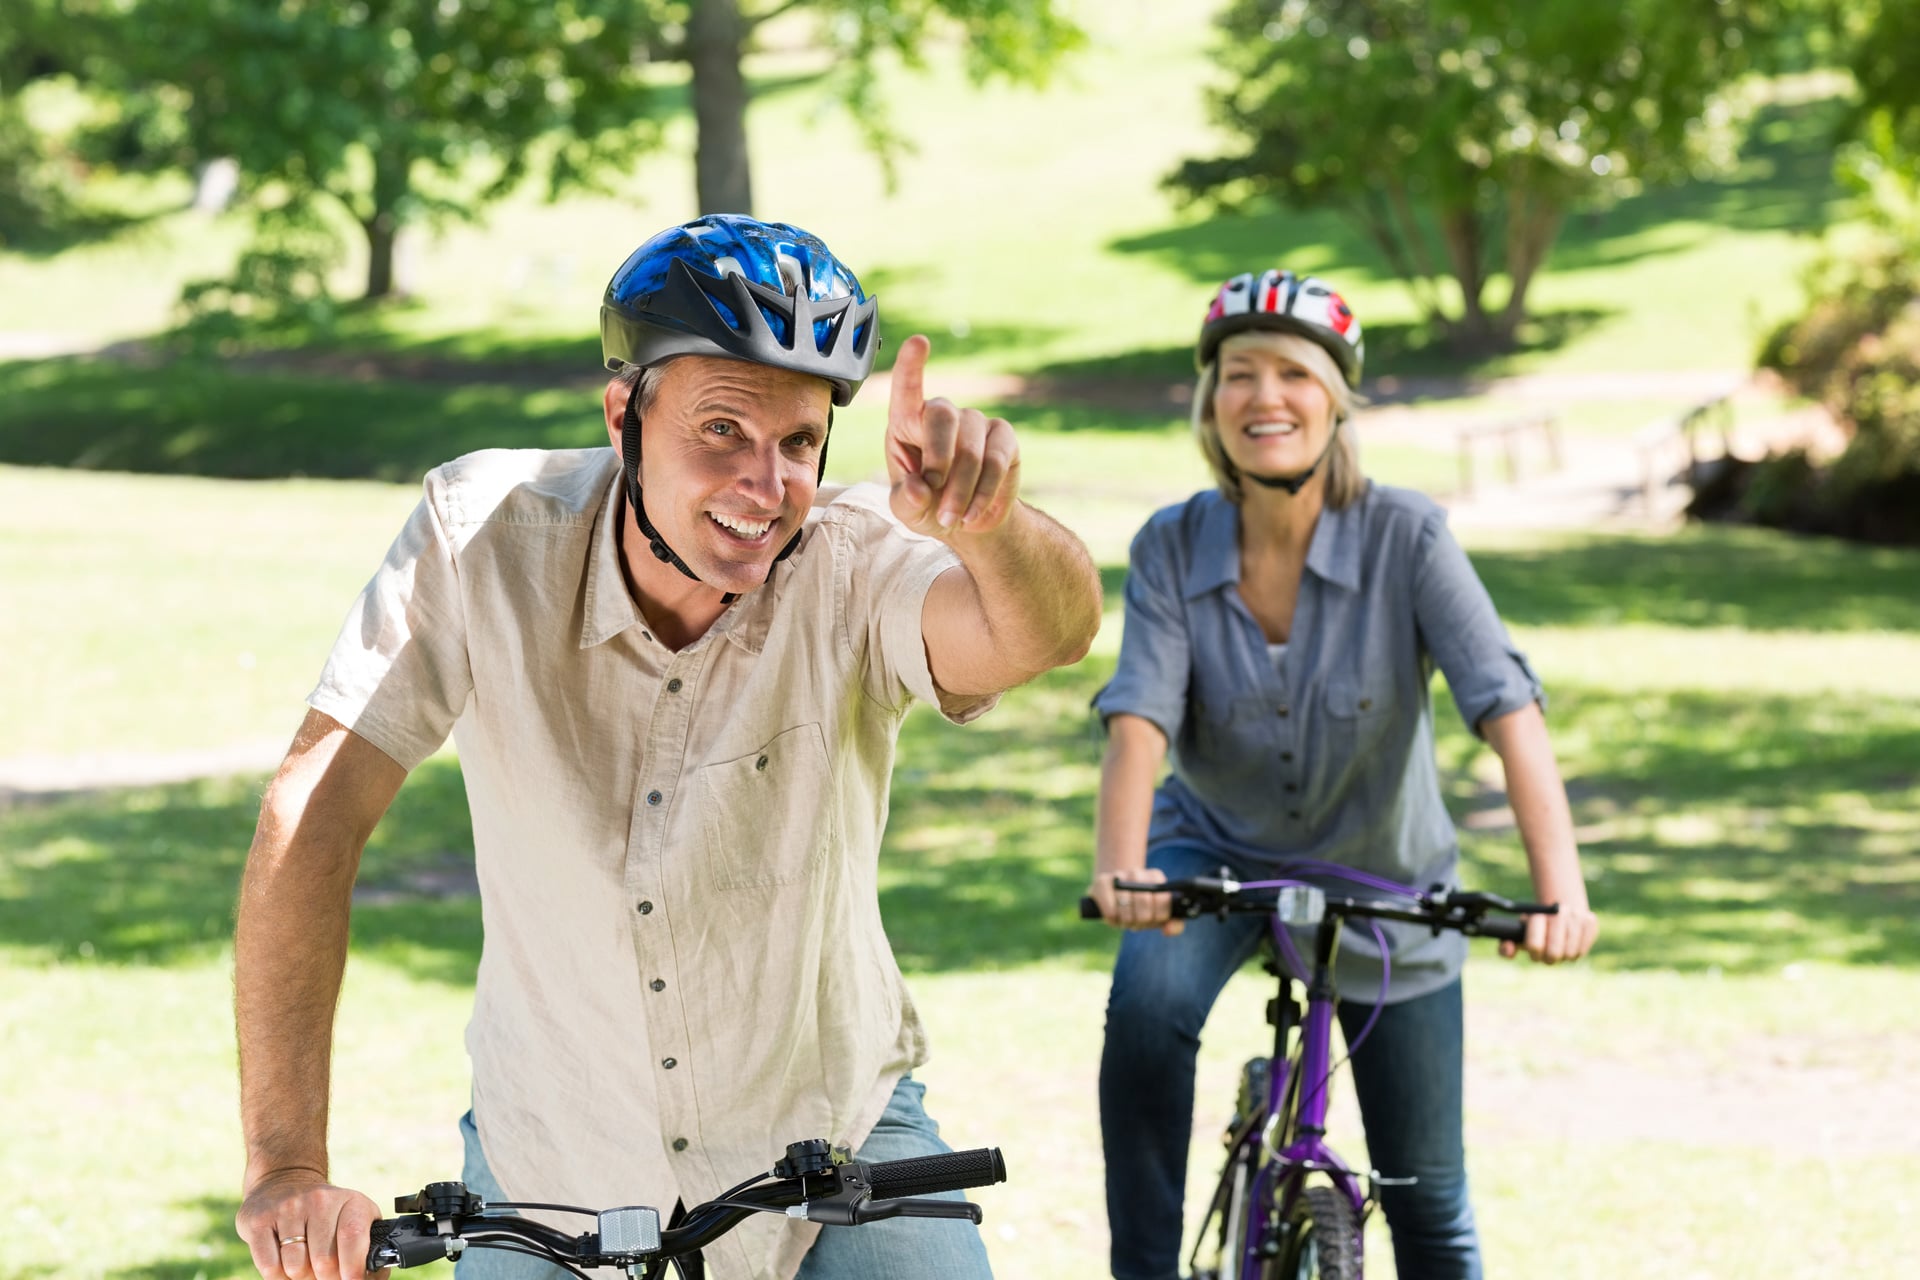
[1678, 438]
[1511, 436]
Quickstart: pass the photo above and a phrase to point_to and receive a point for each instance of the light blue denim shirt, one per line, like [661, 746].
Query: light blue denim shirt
[1329, 753]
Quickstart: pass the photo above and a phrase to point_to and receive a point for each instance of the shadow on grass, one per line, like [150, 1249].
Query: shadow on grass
[1722, 829]
[1731, 831]
[202, 418]
[221, 1253]
[1718, 577]
[149, 876]
[1395, 353]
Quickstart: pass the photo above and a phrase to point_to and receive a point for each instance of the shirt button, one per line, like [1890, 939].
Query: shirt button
[1366, 704]
[669, 1063]
[1293, 786]
[761, 763]
[658, 985]
[1287, 756]
[679, 1144]
[653, 797]
[673, 685]
[645, 908]
[1283, 713]
[1293, 813]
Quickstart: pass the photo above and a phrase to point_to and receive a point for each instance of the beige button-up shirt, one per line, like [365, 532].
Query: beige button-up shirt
[684, 967]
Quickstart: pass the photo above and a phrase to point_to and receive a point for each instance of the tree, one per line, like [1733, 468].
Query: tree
[399, 109]
[1474, 123]
[1018, 39]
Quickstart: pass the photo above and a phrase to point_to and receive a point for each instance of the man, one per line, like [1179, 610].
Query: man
[675, 672]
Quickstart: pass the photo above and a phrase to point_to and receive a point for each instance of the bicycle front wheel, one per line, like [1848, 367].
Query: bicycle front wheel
[1323, 1238]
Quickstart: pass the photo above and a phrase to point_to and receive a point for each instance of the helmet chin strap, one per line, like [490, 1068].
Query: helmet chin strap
[630, 460]
[1293, 484]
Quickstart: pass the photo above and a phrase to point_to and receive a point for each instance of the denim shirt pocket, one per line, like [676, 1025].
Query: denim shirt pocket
[1359, 716]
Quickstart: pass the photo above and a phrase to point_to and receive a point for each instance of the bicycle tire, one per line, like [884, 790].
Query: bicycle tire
[1323, 1239]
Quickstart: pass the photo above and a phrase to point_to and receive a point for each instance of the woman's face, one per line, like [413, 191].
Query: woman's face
[1274, 416]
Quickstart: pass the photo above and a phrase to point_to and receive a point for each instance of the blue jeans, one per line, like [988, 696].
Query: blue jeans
[1406, 1077]
[896, 1249]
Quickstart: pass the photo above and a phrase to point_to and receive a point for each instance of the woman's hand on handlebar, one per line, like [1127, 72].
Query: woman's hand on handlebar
[298, 1226]
[1567, 934]
[1134, 910]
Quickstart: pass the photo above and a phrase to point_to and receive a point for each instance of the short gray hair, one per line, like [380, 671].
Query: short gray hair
[1345, 481]
[646, 378]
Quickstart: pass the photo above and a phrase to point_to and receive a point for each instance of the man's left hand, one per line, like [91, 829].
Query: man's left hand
[953, 470]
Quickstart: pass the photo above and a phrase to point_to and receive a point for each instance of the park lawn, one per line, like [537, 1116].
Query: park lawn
[1739, 712]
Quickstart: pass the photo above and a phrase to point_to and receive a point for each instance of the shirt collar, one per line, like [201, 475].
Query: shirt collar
[1216, 547]
[610, 607]
[1333, 556]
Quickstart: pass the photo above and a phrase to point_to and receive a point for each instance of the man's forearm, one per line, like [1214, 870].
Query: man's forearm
[1038, 591]
[290, 939]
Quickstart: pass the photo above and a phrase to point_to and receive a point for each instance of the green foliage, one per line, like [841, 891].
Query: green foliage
[1020, 41]
[398, 111]
[279, 283]
[1476, 123]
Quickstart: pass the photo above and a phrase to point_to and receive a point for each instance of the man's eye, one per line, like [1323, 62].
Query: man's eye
[802, 441]
[720, 427]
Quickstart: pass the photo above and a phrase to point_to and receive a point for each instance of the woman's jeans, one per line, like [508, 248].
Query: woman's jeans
[1406, 1077]
[896, 1249]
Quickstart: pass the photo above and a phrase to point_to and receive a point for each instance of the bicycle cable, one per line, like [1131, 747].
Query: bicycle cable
[549, 1208]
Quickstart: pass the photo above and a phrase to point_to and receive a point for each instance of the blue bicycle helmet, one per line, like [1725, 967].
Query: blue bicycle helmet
[731, 286]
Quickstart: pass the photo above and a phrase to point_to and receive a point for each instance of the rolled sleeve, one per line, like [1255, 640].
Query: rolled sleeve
[1459, 626]
[398, 674]
[888, 572]
[1150, 679]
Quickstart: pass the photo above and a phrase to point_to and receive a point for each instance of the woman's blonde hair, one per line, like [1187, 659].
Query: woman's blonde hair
[1345, 482]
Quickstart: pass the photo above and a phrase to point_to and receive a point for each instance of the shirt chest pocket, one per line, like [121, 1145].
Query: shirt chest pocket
[768, 816]
[1359, 715]
[1234, 729]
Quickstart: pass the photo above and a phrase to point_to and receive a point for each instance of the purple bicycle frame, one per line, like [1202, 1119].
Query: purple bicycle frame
[1308, 1152]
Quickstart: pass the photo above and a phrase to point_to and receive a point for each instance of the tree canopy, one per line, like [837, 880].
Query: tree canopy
[1459, 133]
[395, 109]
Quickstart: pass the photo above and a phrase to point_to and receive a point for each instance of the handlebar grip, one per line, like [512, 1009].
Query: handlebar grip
[1090, 910]
[948, 1171]
[1505, 930]
[397, 1242]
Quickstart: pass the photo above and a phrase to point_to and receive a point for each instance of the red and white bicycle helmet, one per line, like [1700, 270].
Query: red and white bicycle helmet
[1282, 301]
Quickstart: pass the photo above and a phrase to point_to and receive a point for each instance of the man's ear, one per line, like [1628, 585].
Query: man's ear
[614, 402]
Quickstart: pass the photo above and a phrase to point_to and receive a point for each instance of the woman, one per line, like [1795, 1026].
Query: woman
[1280, 635]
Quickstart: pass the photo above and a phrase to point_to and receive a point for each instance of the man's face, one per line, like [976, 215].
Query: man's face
[729, 462]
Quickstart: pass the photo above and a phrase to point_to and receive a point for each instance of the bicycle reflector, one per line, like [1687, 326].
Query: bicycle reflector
[634, 1229]
[1300, 904]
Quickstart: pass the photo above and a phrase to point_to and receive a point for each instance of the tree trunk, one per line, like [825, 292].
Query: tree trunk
[1533, 223]
[716, 39]
[1460, 228]
[390, 186]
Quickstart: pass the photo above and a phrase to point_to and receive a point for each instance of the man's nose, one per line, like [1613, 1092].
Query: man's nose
[762, 477]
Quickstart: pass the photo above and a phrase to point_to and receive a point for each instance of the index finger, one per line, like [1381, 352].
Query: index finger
[908, 393]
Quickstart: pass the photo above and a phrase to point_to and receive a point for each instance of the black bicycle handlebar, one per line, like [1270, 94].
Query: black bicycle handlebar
[821, 1183]
[949, 1171]
[1439, 908]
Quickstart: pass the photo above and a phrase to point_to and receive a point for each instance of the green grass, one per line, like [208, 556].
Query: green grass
[1739, 714]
